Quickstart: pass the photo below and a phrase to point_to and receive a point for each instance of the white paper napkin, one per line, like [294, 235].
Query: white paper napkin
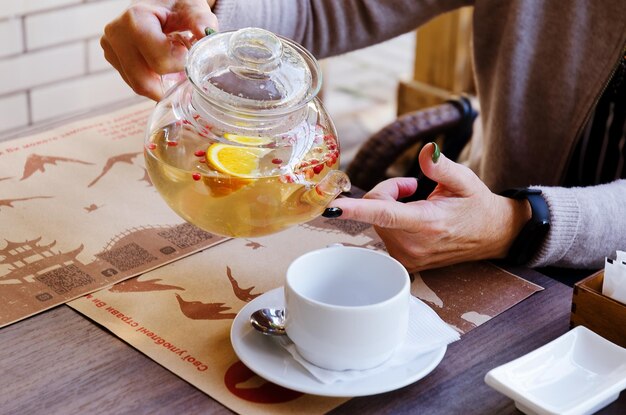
[614, 285]
[427, 332]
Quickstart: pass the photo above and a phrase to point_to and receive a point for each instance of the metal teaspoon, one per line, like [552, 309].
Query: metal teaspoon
[269, 321]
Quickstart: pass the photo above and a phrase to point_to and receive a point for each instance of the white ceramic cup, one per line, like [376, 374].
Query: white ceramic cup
[346, 307]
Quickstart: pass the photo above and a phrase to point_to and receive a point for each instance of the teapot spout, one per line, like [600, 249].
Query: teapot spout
[327, 189]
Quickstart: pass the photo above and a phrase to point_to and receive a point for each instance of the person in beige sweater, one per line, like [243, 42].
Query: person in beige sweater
[546, 74]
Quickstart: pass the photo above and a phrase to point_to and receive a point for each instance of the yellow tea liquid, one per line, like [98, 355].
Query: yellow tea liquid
[265, 203]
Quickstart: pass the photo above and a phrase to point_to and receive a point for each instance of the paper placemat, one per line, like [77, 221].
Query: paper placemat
[469, 294]
[180, 314]
[78, 212]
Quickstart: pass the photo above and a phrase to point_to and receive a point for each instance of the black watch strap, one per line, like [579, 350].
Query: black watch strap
[534, 231]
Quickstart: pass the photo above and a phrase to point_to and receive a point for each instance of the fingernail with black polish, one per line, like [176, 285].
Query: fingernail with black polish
[332, 212]
[436, 153]
[208, 31]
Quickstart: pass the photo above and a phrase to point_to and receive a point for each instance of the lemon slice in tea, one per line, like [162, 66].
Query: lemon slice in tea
[236, 161]
[247, 139]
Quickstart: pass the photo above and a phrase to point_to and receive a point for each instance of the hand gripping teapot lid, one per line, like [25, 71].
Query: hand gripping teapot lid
[252, 70]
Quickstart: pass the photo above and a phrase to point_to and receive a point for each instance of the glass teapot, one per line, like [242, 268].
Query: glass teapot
[241, 146]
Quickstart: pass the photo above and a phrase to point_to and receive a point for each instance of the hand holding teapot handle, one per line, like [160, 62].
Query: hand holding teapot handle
[137, 44]
[187, 39]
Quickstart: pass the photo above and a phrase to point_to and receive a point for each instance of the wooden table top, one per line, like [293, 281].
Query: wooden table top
[58, 362]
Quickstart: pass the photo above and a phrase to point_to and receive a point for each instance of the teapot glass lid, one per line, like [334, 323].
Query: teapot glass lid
[252, 70]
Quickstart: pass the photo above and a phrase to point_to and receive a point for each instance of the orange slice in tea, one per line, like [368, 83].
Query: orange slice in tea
[236, 161]
[247, 140]
[223, 186]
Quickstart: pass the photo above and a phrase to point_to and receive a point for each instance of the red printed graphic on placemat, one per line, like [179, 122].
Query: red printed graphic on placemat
[261, 392]
[9, 202]
[146, 178]
[244, 294]
[135, 285]
[112, 161]
[254, 245]
[91, 208]
[197, 310]
[35, 163]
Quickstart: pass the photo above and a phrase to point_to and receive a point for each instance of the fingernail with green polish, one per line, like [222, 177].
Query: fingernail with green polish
[436, 153]
[208, 31]
[332, 212]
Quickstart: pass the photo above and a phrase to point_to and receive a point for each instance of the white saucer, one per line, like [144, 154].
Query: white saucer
[264, 356]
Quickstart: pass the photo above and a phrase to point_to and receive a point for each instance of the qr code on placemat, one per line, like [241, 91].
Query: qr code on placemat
[185, 235]
[66, 278]
[127, 257]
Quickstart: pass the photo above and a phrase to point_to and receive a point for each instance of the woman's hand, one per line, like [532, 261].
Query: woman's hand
[136, 42]
[462, 220]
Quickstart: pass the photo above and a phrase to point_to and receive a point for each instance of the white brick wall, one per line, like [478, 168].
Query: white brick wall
[95, 57]
[71, 23]
[13, 111]
[10, 8]
[41, 67]
[51, 61]
[74, 96]
[11, 35]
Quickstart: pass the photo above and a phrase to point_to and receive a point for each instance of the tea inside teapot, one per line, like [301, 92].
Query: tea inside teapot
[242, 147]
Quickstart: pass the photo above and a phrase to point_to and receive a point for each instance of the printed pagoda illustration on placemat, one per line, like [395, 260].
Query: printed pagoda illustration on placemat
[39, 273]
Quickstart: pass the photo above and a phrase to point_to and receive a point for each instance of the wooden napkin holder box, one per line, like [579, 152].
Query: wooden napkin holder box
[598, 312]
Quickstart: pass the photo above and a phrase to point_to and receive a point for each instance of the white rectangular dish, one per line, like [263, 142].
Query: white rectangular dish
[577, 373]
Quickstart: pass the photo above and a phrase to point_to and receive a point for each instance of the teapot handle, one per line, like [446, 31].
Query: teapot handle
[169, 80]
[327, 189]
[187, 39]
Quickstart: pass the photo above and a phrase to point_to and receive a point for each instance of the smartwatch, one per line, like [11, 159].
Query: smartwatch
[534, 231]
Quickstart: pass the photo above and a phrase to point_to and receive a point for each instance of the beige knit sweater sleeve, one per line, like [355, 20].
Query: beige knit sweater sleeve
[587, 225]
[329, 27]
